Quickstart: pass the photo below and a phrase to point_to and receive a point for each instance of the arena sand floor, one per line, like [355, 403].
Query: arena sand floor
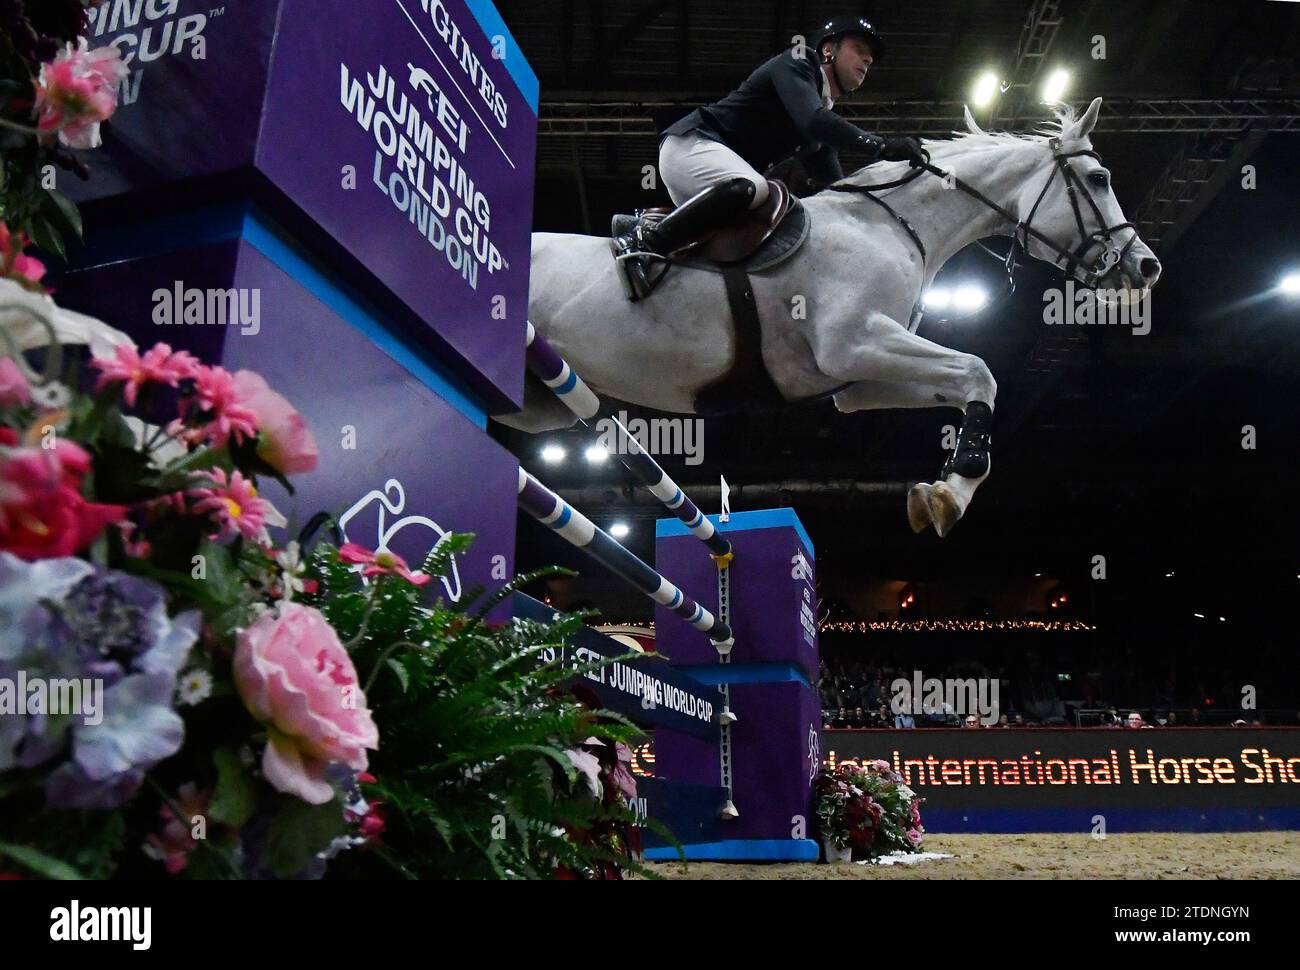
[1147, 855]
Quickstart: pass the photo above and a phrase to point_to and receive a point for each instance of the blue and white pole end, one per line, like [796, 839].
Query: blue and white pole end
[724, 646]
[556, 374]
[729, 811]
[725, 717]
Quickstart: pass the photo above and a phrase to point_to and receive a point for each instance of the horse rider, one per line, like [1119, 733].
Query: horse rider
[710, 160]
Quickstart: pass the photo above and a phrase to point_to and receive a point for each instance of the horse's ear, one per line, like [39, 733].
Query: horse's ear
[1083, 127]
[971, 126]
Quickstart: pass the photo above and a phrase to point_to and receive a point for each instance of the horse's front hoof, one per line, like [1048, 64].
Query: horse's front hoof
[944, 508]
[918, 507]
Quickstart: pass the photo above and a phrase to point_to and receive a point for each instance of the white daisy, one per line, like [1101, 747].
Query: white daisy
[195, 686]
[292, 568]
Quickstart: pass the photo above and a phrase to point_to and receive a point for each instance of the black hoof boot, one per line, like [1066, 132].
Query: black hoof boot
[970, 458]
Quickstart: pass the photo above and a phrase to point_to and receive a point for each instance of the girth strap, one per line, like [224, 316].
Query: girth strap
[747, 384]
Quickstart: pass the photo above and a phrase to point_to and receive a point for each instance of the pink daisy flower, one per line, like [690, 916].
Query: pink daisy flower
[379, 563]
[158, 365]
[236, 507]
[217, 397]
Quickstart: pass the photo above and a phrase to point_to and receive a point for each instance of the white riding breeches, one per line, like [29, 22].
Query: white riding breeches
[691, 163]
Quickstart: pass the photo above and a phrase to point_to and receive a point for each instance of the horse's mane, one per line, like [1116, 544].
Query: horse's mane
[946, 152]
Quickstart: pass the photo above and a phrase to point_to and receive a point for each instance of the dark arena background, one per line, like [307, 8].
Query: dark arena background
[538, 440]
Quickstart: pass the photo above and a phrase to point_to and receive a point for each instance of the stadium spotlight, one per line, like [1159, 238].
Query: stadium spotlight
[969, 298]
[553, 454]
[985, 89]
[596, 454]
[619, 530]
[1290, 284]
[937, 298]
[1054, 88]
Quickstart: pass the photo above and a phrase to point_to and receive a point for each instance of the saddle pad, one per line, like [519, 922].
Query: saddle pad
[778, 247]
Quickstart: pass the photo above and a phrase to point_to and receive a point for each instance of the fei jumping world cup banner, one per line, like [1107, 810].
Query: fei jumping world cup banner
[409, 135]
[404, 131]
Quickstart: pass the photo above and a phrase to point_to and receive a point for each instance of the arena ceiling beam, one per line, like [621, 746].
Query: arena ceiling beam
[1118, 115]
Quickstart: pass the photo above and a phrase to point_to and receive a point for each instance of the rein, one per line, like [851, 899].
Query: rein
[1107, 259]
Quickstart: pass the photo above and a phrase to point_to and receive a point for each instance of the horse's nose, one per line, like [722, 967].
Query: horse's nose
[1149, 267]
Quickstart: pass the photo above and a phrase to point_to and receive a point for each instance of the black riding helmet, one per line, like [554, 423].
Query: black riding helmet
[838, 27]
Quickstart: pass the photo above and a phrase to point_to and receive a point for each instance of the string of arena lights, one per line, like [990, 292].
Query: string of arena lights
[932, 626]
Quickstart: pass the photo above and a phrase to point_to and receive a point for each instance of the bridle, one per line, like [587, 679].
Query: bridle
[1108, 257]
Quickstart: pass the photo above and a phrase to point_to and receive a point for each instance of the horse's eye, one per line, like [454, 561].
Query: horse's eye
[1099, 179]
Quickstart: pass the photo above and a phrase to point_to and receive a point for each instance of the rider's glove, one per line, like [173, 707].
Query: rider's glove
[874, 145]
[903, 150]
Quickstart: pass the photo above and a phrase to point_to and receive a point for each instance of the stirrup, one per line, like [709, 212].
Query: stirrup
[643, 269]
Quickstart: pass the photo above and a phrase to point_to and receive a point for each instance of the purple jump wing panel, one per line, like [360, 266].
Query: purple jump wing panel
[399, 466]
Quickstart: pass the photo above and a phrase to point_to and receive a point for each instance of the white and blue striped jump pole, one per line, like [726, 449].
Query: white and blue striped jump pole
[555, 373]
[552, 511]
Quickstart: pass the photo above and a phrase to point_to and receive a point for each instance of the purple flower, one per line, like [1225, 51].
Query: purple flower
[61, 618]
[109, 759]
[118, 624]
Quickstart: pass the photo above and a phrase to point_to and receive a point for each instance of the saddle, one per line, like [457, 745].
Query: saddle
[766, 237]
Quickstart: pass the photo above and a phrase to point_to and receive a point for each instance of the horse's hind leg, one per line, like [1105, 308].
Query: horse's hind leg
[893, 368]
[542, 410]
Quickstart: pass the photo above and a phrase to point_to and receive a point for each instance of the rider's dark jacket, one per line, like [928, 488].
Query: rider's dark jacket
[778, 110]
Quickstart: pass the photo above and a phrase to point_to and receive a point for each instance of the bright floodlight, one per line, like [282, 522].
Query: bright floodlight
[619, 530]
[938, 298]
[985, 89]
[1055, 86]
[969, 298]
[596, 454]
[553, 454]
[1290, 284]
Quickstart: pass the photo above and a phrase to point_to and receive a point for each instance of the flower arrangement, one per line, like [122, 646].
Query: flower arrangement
[55, 93]
[186, 691]
[867, 811]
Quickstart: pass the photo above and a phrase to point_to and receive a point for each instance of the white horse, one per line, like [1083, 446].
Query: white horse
[856, 279]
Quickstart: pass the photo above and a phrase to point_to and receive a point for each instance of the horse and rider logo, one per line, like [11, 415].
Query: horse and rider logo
[392, 500]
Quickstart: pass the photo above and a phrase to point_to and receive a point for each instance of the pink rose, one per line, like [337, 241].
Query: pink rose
[295, 677]
[77, 91]
[286, 443]
[914, 838]
[14, 389]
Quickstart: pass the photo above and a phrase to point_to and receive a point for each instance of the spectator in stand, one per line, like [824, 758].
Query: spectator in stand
[858, 719]
[841, 718]
[1135, 720]
[1020, 721]
[1194, 718]
[1171, 719]
[971, 721]
[903, 720]
[1003, 722]
[876, 694]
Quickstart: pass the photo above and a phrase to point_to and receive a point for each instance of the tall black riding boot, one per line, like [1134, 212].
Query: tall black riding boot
[701, 214]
